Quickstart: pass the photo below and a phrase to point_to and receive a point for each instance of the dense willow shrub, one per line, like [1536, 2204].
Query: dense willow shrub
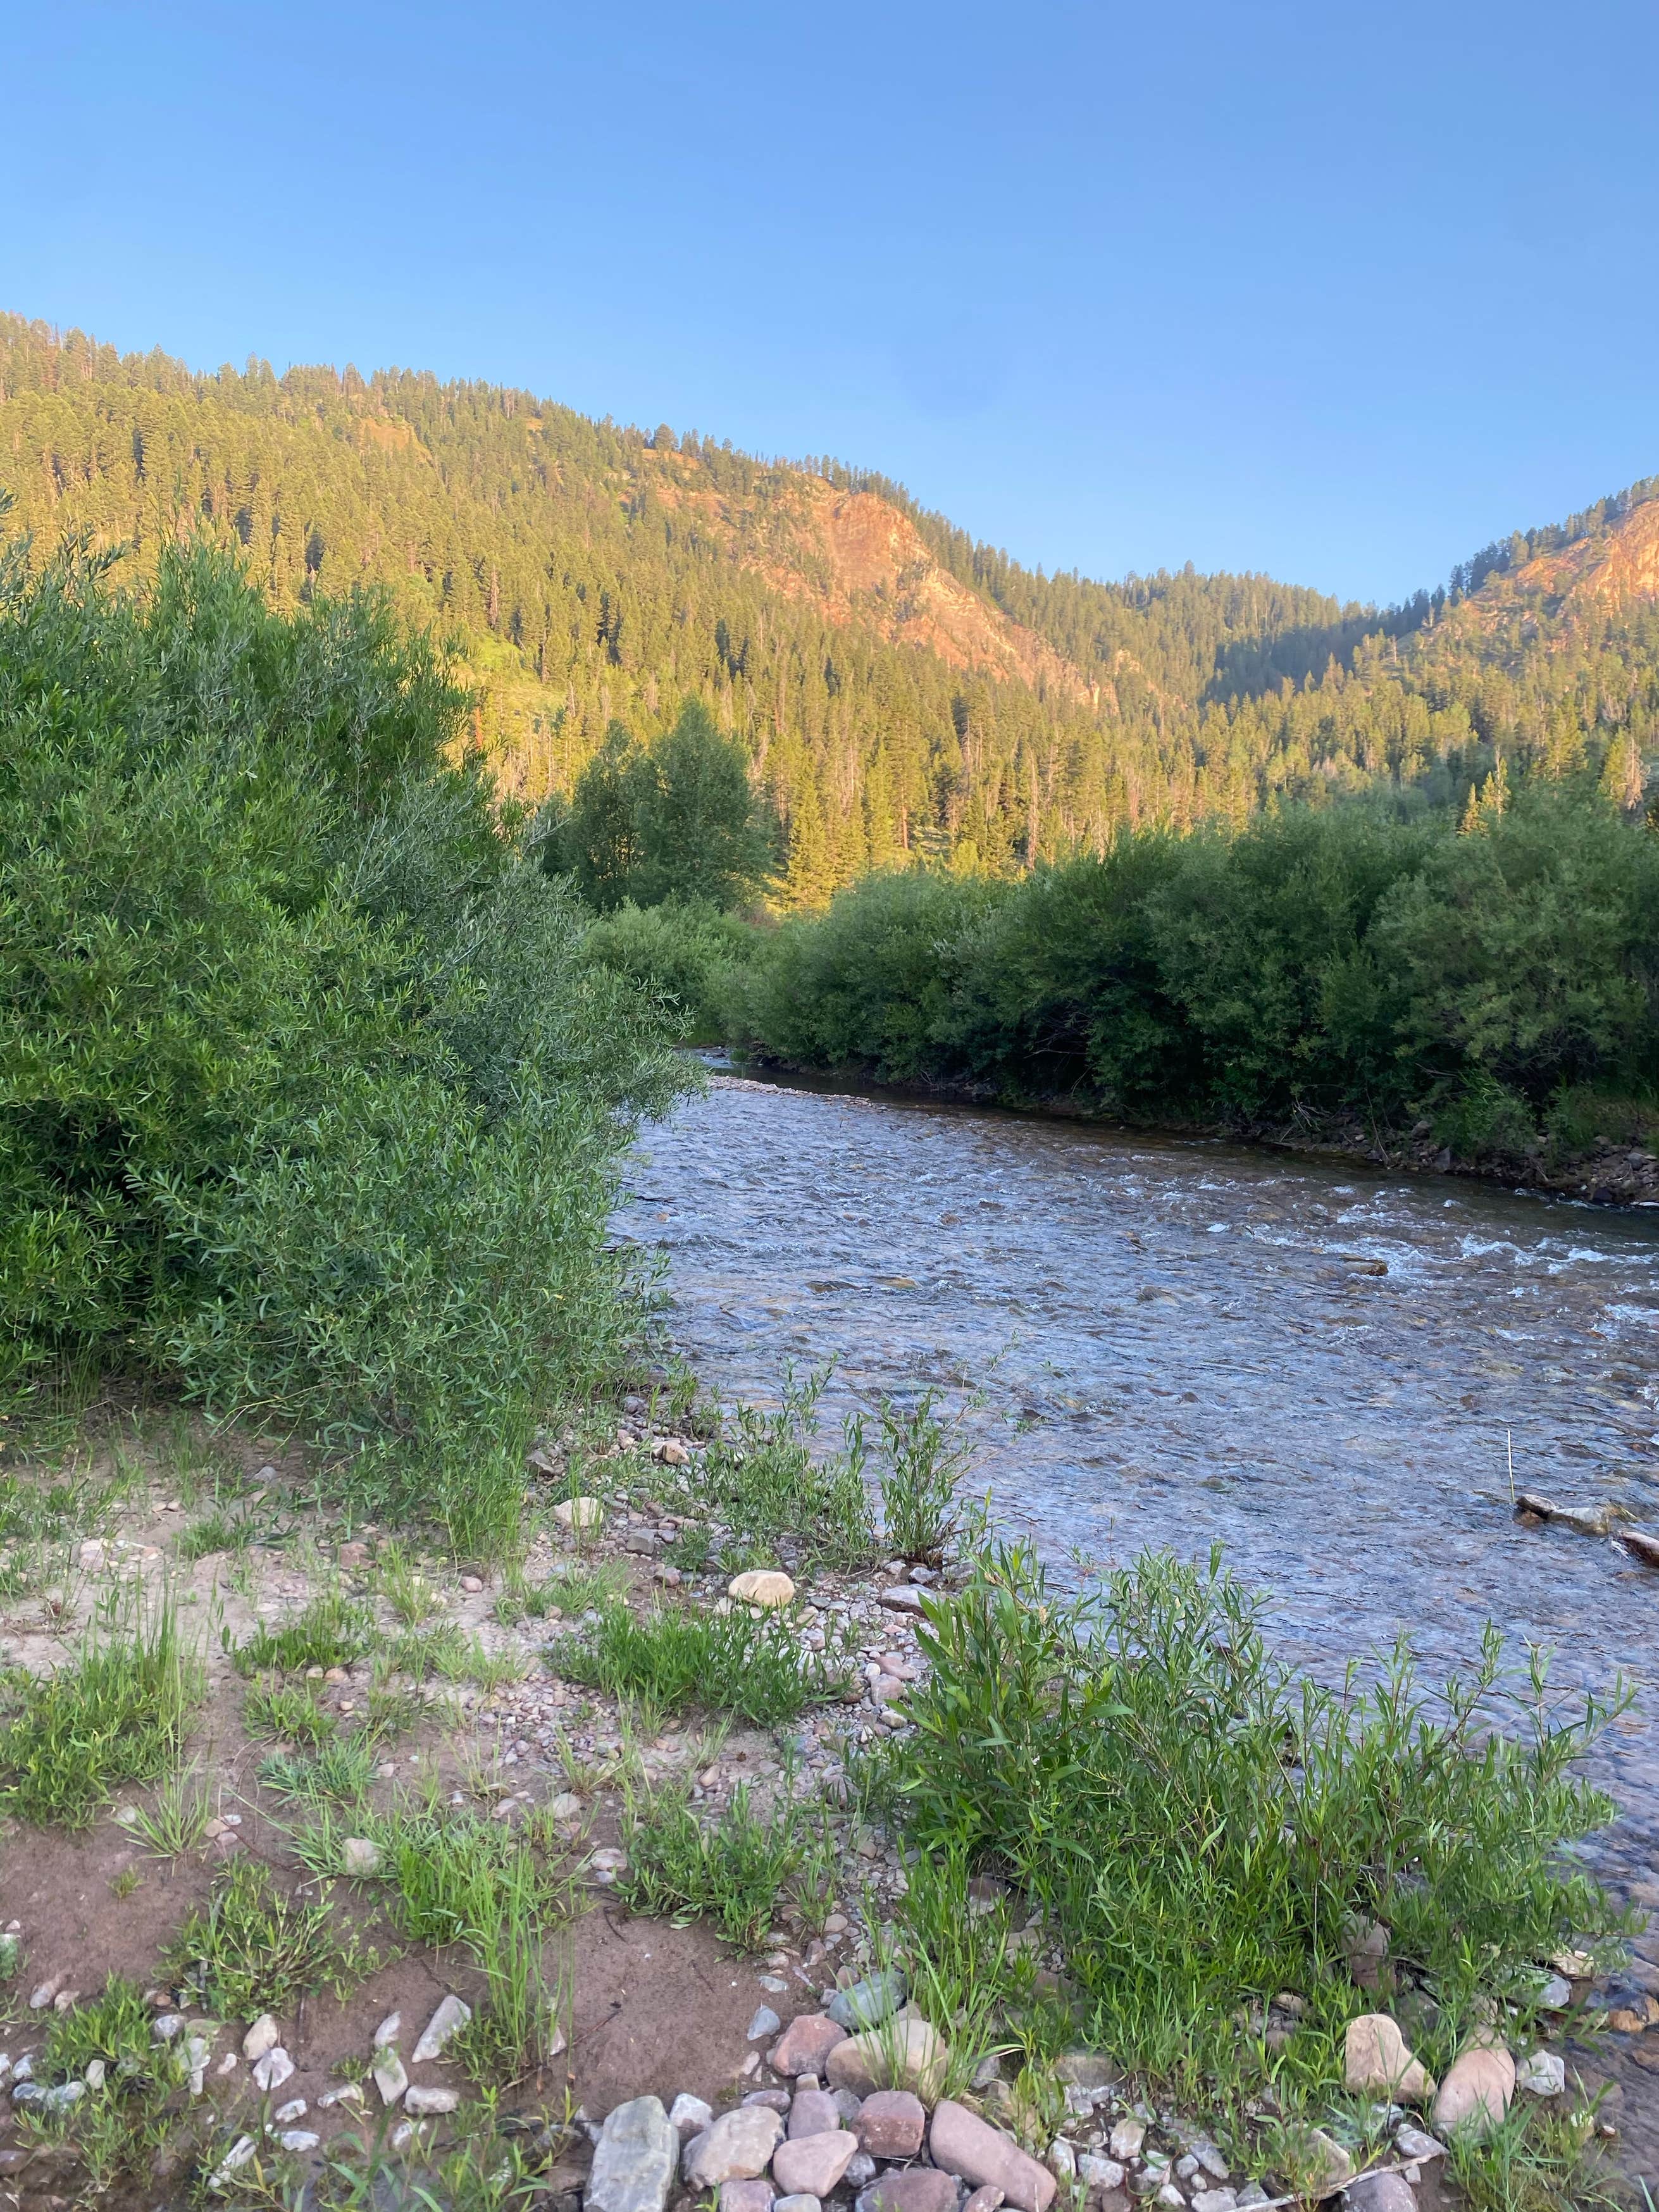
[308, 1102]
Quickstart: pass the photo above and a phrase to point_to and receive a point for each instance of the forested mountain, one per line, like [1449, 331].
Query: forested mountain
[898, 688]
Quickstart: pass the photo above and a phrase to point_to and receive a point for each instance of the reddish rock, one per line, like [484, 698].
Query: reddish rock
[806, 2044]
[984, 2200]
[814, 2112]
[1476, 2092]
[911, 2189]
[745, 2196]
[811, 2166]
[892, 2124]
[963, 2144]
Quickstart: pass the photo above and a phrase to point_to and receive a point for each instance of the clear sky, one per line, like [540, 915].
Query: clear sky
[1340, 292]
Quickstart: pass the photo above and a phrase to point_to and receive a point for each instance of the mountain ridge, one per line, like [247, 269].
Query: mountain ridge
[899, 687]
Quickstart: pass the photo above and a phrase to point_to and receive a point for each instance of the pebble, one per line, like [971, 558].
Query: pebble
[806, 2044]
[1418, 2144]
[264, 2035]
[293, 2110]
[910, 2189]
[890, 2125]
[273, 2069]
[1377, 2062]
[299, 2139]
[390, 2079]
[904, 2053]
[690, 2116]
[797, 2204]
[425, 2102]
[751, 2196]
[449, 2019]
[361, 1854]
[736, 2147]
[471, 1584]
[235, 2158]
[812, 2165]
[761, 1586]
[1376, 2192]
[1097, 2175]
[765, 2023]
[580, 1513]
[815, 2113]
[961, 2144]
[869, 2002]
[1543, 2074]
[388, 2031]
[1476, 2092]
[1126, 2139]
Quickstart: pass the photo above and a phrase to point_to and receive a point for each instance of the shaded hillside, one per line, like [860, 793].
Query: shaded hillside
[898, 686]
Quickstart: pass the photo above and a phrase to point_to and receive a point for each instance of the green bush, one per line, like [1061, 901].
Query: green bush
[309, 1102]
[685, 957]
[1198, 1829]
[1349, 964]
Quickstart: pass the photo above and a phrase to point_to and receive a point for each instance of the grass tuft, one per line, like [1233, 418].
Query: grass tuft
[732, 1871]
[255, 1949]
[331, 1631]
[117, 1713]
[735, 1663]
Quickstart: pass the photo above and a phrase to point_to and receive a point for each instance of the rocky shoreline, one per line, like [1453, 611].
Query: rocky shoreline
[848, 2097]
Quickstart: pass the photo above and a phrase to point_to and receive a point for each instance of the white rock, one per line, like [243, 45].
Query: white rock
[424, 2102]
[233, 2160]
[299, 2139]
[764, 2023]
[1415, 2142]
[273, 2069]
[388, 2031]
[688, 2115]
[1215, 2200]
[579, 1513]
[264, 2035]
[449, 2019]
[361, 1854]
[566, 1807]
[1097, 2175]
[389, 2078]
[1062, 2160]
[93, 2076]
[228, 2064]
[166, 2025]
[1542, 2074]
[1126, 2140]
[343, 2092]
[293, 2110]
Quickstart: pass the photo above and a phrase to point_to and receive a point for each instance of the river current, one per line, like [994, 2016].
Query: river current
[1177, 1343]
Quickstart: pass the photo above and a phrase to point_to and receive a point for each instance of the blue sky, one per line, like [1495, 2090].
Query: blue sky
[1339, 292]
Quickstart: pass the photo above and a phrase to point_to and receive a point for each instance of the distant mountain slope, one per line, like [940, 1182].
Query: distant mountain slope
[899, 687]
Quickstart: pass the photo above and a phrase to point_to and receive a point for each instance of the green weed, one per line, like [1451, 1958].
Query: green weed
[735, 1663]
[450, 1654]
[574, 1589]
[116, 1713]
[221, 1531]
[332, 1631]
[254, 1948]
[342, 1768]
[114, 2026]
[926, 1459]
[764, 1476]
[731, 1870]
[291, 1713]
[1198, 1830]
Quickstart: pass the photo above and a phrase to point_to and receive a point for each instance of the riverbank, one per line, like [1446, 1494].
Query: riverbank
[381, 1861]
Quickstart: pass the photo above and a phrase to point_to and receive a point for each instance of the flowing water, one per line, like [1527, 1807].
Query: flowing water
[1181, 1343]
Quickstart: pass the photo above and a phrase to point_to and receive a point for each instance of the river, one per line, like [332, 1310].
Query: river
[1184, 1342]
